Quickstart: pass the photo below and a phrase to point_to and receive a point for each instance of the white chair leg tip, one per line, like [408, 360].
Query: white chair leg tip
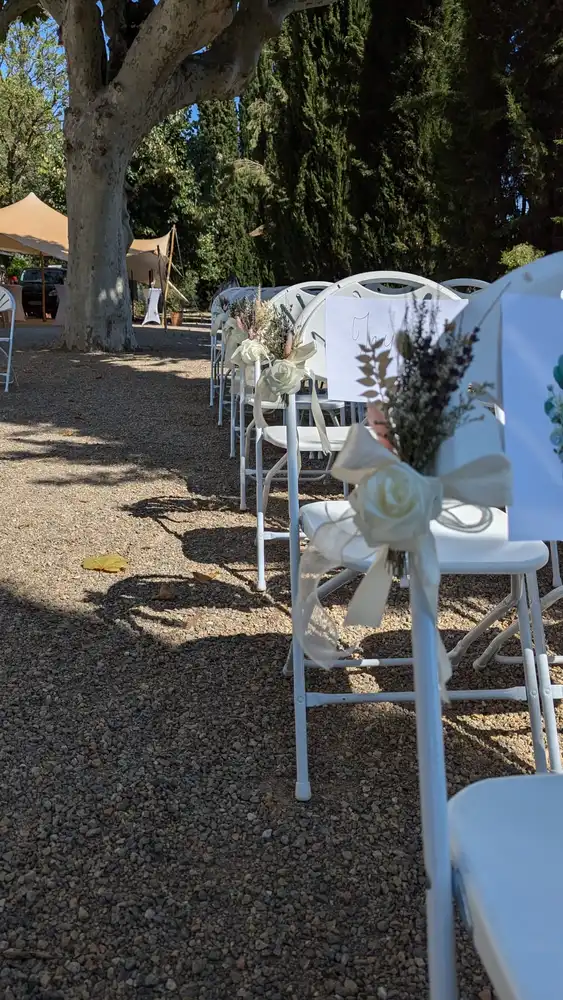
[302, 791]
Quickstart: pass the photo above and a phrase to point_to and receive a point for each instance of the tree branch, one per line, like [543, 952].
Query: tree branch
[84, 44]
[115, 23]
[225, 67]
[174, 28]
[55, 8]
[10, 11]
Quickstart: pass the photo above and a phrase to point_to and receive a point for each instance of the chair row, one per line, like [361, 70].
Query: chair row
[492, 847]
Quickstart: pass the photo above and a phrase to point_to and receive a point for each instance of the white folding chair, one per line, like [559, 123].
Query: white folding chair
[470, 541]
[225, 368]
[494, 844]
[7, 305]
[542, 277]
[465, 287]
[152, 315]
[310, 327]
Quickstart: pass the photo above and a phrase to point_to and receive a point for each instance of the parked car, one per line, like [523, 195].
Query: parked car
[30, 280]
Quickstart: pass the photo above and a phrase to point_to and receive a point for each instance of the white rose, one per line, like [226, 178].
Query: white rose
[283, 378]
[395, 505]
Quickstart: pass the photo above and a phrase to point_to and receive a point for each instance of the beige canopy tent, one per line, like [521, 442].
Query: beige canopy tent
[31, 226]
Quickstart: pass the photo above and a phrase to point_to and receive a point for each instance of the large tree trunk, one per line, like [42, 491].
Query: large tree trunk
[99, 304]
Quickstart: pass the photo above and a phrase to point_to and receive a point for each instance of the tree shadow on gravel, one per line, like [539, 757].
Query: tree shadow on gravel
[149, 825]
[136, 600]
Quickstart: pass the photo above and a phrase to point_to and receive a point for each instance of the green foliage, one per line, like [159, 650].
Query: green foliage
[32, 95]
[224, 245]
[17, 264]
[519, 256]
[161, 183]
[426, 138]
[558, 372]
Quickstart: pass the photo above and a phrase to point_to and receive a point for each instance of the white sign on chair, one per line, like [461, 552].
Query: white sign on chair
[351, 321]
[532, 377]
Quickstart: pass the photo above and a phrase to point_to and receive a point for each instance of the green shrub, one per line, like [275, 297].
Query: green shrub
[519, 256]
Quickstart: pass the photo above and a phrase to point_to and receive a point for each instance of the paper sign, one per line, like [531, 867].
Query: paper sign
[532, 344]
[351, 321]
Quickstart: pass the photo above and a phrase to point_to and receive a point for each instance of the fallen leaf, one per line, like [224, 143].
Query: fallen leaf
[165, 592]
[205, 577]
[485, 995]
[68, 433]
[110, 563]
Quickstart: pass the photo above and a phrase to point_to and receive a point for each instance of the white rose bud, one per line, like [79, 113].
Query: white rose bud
[395, 505]
[284, 378]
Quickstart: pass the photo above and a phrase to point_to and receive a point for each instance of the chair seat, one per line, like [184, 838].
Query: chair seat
[468, 539]
[309, 438]
[505, 843]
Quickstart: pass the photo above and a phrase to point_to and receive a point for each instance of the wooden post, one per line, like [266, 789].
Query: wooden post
[168, 269]
[43, 310]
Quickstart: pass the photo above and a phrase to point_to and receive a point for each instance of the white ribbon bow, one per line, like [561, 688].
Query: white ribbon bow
[248, 353]
[391, 508]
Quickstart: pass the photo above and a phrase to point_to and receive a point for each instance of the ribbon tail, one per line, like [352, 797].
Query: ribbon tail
[319, 419]
[313, 627]
[370, 598]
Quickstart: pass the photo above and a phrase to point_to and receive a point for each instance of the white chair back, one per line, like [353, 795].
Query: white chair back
[483, 312]
[7, 304]
[226, 298]
[465, 287]
[7, 300]
[296, 298]
[371, 285]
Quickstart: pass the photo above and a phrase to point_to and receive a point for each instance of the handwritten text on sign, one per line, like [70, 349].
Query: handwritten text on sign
[350, 322]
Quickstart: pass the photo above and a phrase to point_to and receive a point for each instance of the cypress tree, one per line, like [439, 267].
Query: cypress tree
[296, 119]
[224, 246]
[534, 101]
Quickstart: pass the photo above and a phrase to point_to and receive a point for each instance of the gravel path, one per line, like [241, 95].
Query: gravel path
[150, 844]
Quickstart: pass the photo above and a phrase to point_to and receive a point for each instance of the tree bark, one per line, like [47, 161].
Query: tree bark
[99, 304]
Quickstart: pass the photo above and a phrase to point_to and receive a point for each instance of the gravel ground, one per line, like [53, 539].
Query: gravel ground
[150, 844]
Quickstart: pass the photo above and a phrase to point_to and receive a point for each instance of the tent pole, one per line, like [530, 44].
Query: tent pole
[43, 311]
[168, 269]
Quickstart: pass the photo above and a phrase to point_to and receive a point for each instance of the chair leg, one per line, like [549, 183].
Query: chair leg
[222, 377]
[459, 651]
[555, 567]
[546, 692]
[546, 602]
[260, 544]
[530, 675]
[212, 375]
[302, 782]
[233, 424]
[433, 802]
